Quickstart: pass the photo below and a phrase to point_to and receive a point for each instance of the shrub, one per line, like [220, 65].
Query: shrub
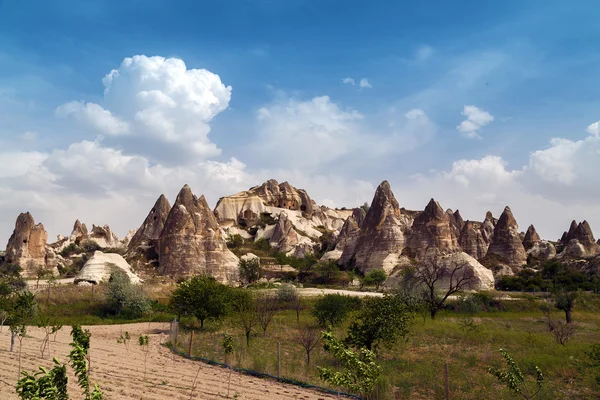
[203, 297]
[287, 293]
[71, 249]
[333, 309]
[235, 241]
[375, 277]
[249, 270]
[89, 246]
[262, 244]
[121, 296]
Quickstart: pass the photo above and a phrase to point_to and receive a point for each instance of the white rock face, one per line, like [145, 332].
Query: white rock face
[249, 257]
[542, 250]
[99, 267]
[481, 277]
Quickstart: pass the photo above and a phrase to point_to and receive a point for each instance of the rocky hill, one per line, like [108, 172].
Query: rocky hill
[189, 238]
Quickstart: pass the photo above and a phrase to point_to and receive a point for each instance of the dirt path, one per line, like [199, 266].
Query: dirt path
[120, 372]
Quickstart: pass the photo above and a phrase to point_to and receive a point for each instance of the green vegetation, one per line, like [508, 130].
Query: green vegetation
[52, 384]
[551, 276]
[202, 297]
[514, 379]
[124, 297]
[249, 270]
[374, 278]
[333, 309]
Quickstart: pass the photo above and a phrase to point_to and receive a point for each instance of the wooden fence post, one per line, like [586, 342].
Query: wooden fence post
[446, 381]
[191, 343]
[278, 360]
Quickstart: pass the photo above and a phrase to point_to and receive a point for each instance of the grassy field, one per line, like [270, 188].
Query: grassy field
[412, 369]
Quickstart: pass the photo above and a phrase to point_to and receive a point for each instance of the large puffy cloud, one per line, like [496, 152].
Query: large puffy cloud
[556, 185]
[315, 133]
[160, 101]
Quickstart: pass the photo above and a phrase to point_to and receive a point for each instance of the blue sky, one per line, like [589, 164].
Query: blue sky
[531, 66]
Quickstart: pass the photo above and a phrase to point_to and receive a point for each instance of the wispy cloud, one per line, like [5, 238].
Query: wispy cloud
[364, 83]
[476, 119]
[348, 81]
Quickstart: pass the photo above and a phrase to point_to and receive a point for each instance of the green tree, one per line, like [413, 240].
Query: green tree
[375, 278]
[514, 379]
[244, 306]
[359, 372]
[235, 241]
[249, 270]
[381, 320]
[203, 297]
[333, 309]
[565, 300]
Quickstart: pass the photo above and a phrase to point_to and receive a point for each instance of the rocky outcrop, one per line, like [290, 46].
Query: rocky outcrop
[456, 222]
[287, 240]
[472, 240]
[531, 238]
[27, 246]
[245, 208]
[432, 229]
[489, 224]
[541, 251]
[580, 242]
[101, 265]
[190, 242]
[79, 232]
[382, 236]
[480, 278]
[506, 243]
[348, 237]
[103, 236]
[147, 235]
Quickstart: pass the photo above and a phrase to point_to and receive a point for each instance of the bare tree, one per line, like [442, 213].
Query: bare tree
[266, 308]
[562, 332]
[433, 273]
[308, 337]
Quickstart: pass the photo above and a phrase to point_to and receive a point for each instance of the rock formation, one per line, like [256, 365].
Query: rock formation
[579, 242]
[480, 277]
[27, 246]
[472, 240]
[531, 238]
[456, 222]
[432, 229]
[190, 242]
[541, 251]
[103, 236]
[245, 208]
[346, 241]
[146, 237]
[101, 265]
[287, 240]
[489, 223]
[79, 232]
[382, 235]
[506, 243]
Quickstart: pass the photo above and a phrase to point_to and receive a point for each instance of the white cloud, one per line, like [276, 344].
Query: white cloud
[94, 116]
[594, 129]
[318, 132]
[476, 119]
[348, 81]
[364, 83]
[160, 101]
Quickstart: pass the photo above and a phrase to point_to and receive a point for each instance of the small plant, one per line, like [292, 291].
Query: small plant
[249, 270]
[124, 339]
[80, 362]
[594, 356]
[44, 384]
[514, 379]
[562, 331]
[467, 324]
[308, 337]
[266, 308]
[360, 372]
[227, 345]
[144, 343]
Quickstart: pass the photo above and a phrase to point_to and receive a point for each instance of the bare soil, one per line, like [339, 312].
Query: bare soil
[120, 371]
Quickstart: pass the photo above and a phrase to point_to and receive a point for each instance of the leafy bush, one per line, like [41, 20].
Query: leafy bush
[249, 270]
[552, 276]
[333, 309]
[70, 250]
[203, 297]
[235, 241]
[262, 244]
[374, 278]
[287, 293]
[89, 246]
[122, 296]
[266, 219]
[381, 320]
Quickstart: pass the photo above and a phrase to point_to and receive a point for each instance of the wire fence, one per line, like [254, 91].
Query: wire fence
[182, 344]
